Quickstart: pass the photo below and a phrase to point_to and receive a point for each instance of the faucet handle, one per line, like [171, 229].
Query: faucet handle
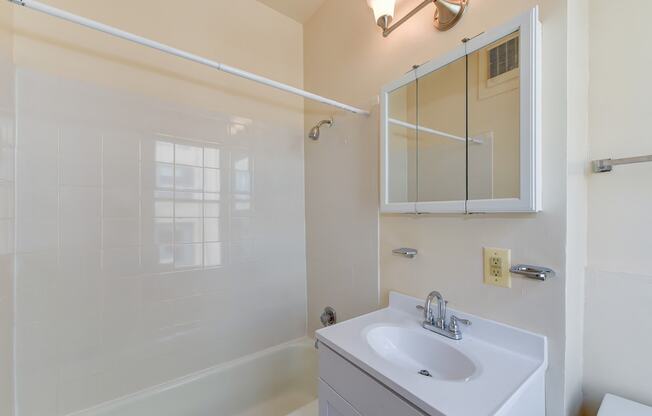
[455, 320]
[423, 309]
[454, 327]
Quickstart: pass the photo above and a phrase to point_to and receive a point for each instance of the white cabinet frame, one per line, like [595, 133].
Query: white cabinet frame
[530, 123]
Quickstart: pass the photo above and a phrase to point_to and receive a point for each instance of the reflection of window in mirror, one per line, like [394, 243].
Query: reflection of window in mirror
[494, 119]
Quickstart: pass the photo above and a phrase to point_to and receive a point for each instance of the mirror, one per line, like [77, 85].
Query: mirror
[494, 120]
[441, 142]
[461, 132]
[402, 143]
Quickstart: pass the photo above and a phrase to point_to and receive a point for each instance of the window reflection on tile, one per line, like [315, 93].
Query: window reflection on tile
[188, 178]
[164, 152]
[236, 128]
[163, 231]
[211, 209]
[240, 161]
[188, 255]
[163, 208]
[188, 204]
[241, 181]
[213, 254]
[164, 176]
[189, 214]
[241, 204]
[188, 155]
[212, 229]
[211, 180]
[157, 258]
[211, 157]
[188, 230]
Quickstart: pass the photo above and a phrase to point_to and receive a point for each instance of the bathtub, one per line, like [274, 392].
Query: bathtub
[278, 381]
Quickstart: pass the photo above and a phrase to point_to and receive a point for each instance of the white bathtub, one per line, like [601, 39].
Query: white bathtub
[275, 382]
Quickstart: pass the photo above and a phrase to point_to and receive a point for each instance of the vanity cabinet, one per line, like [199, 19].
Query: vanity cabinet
[345, 390]
[461, 133]
[332, 404]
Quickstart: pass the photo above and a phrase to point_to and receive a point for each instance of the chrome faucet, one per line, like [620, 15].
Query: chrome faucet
[438, 323]
[441, 309]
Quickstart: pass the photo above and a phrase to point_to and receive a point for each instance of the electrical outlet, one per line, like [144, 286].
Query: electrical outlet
[497, 262]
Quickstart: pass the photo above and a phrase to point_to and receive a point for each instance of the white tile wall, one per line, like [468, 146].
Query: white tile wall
[147, 249]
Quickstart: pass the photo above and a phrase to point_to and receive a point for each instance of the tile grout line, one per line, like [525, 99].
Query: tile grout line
[140, 201]
[14, 367]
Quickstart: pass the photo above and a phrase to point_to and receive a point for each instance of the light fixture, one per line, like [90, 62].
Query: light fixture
[447, 13]
[383, 11]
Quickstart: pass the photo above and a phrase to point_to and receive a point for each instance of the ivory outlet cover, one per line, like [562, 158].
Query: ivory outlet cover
[497, 262]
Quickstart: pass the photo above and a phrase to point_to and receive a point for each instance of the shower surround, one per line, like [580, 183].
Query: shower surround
[153, 241]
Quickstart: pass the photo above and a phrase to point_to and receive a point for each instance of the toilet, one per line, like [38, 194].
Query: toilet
[617, 406]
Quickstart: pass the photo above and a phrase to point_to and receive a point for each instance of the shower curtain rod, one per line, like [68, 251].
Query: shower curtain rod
[52, 11]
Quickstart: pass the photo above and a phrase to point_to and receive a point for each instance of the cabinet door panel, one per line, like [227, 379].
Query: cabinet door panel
[332, 404]
[402, 144]
[441, 134]
[364, 393]
[494, 122]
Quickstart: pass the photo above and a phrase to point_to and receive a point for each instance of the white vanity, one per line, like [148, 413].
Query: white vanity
[386, 364]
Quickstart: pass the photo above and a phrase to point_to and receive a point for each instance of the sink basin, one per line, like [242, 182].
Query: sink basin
[420, 353]
[494, 370]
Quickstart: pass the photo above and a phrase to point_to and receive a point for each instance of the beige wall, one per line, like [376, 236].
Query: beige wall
[6, 211]
[213, 29]
[348, 59]
[619, 281]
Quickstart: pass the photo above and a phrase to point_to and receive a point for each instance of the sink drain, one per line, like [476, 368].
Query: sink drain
[425, 373]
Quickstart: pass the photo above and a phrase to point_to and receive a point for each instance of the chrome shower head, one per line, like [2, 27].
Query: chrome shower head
[314, 132]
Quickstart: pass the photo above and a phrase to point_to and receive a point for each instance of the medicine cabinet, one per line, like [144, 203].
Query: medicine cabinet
[461, 133]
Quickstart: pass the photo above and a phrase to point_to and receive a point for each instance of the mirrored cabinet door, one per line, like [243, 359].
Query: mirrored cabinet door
[441, 139]
[494, 120]
[402, 146]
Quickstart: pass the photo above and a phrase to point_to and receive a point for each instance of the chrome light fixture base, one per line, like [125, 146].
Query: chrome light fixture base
[448, 13]
[384, 21]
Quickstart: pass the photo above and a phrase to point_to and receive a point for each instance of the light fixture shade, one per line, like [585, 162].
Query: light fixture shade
[382, 8]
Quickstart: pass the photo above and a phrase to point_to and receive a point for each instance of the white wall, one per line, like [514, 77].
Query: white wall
[347, 58]
[160, 222]
[576, 194]
[618, 328]
[7, 156]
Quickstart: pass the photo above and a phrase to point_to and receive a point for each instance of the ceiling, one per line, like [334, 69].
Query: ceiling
[299, 10]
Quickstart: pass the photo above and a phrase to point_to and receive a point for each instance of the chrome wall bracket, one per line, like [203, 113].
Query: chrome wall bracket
[533, 272]
[410, 253]
[607, 165]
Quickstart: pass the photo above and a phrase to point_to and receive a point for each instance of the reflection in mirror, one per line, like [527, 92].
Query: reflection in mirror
[494, 117]
[442, 134]
[402, 145]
